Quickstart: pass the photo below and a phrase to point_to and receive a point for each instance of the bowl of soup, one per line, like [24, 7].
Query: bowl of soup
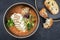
[21, 20]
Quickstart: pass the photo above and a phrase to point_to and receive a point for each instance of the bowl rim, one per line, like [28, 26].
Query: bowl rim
[6, 13]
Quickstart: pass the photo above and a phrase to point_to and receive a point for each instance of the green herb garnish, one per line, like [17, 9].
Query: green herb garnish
[10, 22]
[29, 26]
[29, 22]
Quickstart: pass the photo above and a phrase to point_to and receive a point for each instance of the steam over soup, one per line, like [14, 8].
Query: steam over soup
[21, 20]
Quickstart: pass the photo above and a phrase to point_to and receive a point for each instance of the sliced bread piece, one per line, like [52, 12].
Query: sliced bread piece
[48, 23]
[52, 6]
[43, 13]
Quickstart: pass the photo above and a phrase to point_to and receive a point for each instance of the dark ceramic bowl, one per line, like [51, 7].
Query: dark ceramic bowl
[21, 3]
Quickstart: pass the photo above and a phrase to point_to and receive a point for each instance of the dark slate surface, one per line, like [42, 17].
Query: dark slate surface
[41, 34]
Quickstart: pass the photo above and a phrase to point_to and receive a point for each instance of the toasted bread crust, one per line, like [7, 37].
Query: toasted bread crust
[43, 13]
[48, 24]
[51, 22]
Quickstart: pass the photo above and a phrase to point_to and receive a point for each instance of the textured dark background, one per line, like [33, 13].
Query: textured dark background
[41, 34]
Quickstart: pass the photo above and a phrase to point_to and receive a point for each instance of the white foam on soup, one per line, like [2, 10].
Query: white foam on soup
[18, 21]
